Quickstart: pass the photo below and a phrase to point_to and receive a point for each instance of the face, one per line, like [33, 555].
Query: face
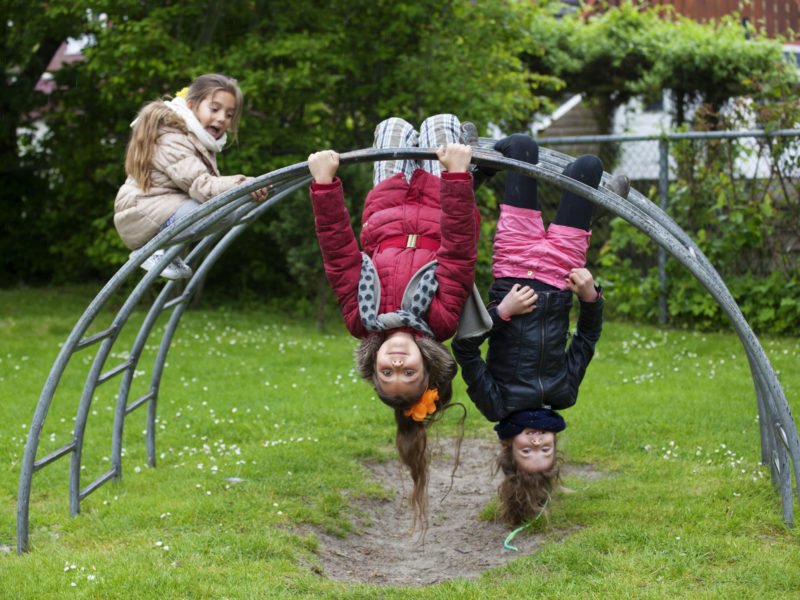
[534, 450]
[399, 366]
[215, 112]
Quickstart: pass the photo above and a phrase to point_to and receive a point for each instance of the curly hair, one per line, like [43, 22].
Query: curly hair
[411, 438]
[522, 495]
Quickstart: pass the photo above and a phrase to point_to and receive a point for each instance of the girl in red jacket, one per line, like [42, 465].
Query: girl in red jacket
[402, 293]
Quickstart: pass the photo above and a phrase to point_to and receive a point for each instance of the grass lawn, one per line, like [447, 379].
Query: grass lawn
[263, 430]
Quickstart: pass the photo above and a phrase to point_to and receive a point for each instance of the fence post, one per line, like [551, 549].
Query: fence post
[663, 193]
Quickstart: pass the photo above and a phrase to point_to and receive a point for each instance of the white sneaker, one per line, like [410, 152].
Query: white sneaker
[177, 269]
[184, 269]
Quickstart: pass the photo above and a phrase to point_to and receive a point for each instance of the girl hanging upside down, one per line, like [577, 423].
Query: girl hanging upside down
[528, 375]
[403, 292]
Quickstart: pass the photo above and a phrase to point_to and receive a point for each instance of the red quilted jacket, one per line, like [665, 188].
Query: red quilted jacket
[442, 210]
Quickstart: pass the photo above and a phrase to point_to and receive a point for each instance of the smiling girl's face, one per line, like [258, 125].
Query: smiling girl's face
[398, 365]
[215, 112]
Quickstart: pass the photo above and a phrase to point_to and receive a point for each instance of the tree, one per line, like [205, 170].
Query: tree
[312, 79]
[31, 36]
[314, 75]
[616, 54]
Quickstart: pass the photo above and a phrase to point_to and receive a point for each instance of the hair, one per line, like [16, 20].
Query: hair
[411, 439]
[523, 495]
[157, 114]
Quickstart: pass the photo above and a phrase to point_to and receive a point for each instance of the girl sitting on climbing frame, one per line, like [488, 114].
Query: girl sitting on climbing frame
[404, 293]
[172, 166]
[527, 374]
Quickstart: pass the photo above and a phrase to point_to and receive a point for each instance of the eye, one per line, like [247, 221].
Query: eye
[386, 372]
[409, 372]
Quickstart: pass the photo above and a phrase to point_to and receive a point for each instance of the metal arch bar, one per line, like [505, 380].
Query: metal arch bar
[160, 305]
[771, 402]
[656, 225]
[559, 159]
[122, 408]
[74, 342]
[93, 379]
[236, 199]
[198, 276]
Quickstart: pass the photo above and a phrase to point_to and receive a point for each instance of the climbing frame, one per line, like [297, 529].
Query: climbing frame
[780, 447]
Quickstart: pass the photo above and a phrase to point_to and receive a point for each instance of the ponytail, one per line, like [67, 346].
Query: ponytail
[411, 441]
[411, 438]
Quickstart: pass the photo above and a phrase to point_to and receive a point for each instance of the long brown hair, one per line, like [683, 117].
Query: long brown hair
[155, 115]
[522, 495]
[411, 438]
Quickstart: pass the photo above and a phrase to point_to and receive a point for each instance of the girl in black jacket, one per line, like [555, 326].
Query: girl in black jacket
[530, 372]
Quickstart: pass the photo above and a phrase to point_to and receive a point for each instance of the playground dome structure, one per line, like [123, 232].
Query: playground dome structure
[780, 446]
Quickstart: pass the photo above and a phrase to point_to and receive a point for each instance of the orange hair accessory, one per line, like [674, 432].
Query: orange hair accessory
[426, 405]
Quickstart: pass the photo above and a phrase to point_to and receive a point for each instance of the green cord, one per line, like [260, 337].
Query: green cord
[528, 524]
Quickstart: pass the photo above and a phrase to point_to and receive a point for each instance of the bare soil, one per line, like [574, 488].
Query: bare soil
[458, 543]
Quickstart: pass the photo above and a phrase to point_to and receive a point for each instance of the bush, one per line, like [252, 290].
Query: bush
[747, 225]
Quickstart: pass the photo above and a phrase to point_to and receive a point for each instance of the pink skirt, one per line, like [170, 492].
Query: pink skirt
[524, 249]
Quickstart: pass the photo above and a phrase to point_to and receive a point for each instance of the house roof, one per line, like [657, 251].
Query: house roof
[68, 52]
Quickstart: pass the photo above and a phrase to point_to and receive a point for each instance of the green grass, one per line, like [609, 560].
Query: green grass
[684, 509]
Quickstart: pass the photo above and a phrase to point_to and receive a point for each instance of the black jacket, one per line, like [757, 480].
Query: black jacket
[528, 364]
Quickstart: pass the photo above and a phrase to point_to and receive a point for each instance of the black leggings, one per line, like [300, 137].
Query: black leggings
[522, 191]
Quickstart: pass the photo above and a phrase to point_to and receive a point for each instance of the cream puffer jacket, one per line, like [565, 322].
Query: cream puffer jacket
[181, 168]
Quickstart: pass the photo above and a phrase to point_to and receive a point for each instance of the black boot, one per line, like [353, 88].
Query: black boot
[619, 184]
[469, 136]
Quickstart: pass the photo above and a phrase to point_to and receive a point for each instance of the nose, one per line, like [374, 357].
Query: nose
[536, 440]
[397, 361]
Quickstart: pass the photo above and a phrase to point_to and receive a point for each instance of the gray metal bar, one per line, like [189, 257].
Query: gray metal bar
[138, 402]
[74, 342]
[291, 184]
[113, 372]
[92, 339]
[663, 194]
[177, 300]
[160, 305]
[53, 456]
[93, 378]
[96, 483]
[46, 397]
[689, 135]
[123, 408]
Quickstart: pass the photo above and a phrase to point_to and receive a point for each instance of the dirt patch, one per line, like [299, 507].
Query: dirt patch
[458, 543]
